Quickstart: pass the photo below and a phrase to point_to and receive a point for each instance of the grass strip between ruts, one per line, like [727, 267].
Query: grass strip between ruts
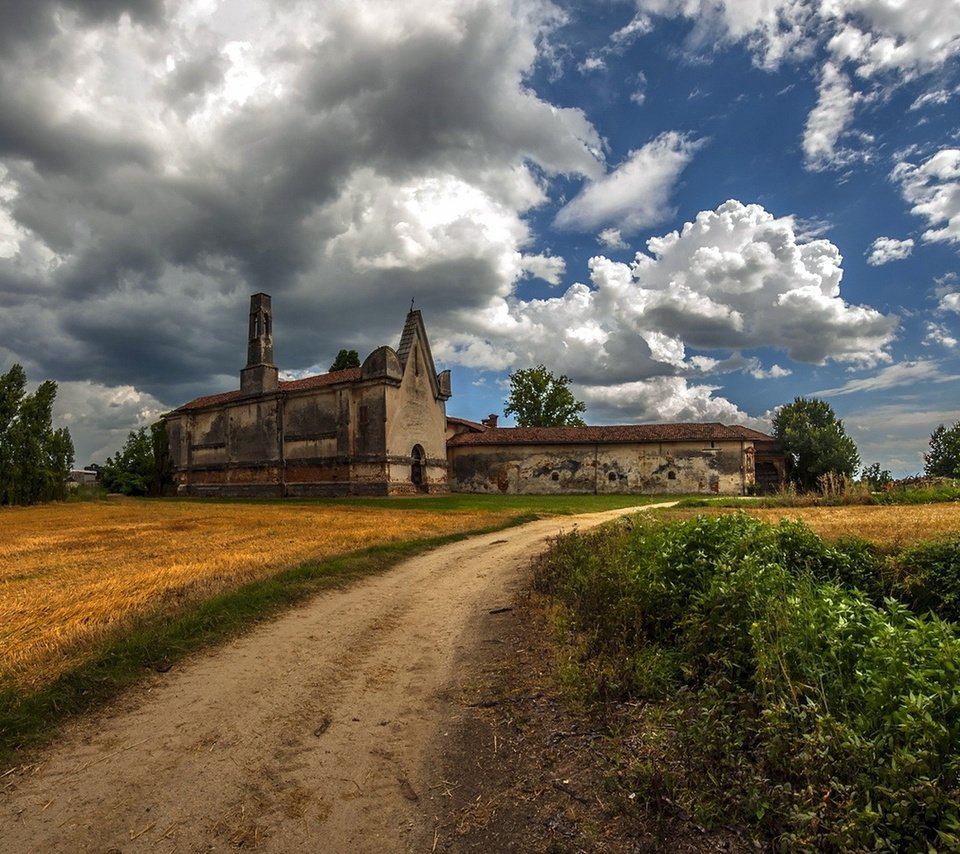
[28, 721]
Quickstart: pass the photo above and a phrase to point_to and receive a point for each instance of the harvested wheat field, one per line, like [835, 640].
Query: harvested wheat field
[895, 526]
[73, 572]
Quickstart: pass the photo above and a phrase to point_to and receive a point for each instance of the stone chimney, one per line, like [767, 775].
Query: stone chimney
[490, 421]
[260, 374]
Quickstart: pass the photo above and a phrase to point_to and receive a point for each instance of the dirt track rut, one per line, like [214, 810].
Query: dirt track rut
[308, 734]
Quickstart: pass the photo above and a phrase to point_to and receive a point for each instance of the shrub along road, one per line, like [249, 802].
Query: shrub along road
[316, 732]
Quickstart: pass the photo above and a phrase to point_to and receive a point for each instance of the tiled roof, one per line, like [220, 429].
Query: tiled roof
[475, 426]
[348, 375]
[632, 433]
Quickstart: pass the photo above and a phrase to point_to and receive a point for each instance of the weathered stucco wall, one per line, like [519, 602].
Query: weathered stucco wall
[416, 419]
[667, 468]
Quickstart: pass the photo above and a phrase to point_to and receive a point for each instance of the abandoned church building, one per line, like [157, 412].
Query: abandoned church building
[382, 429]
[374, 430]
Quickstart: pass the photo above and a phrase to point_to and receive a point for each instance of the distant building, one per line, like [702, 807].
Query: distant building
[641, 458]
[373, 430]
[382, 429]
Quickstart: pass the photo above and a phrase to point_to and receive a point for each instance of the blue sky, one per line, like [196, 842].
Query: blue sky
[696, 211]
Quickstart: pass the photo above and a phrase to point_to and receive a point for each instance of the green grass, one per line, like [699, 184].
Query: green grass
[948, 490]
[535, 504]
[28, 721]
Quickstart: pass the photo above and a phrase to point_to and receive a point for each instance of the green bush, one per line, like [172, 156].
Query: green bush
[797, 703]
[929, 577]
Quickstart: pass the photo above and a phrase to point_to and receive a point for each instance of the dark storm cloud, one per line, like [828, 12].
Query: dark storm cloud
[70, 146]
[26, 22]
[152, 177]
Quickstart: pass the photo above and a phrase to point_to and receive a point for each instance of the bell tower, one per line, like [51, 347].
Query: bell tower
[260, 374]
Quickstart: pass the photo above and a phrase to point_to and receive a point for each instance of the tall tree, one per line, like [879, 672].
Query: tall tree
[142, 465]
[346, 359]
[943, 458]
[35, 459]
[814, 442]
[539, 399]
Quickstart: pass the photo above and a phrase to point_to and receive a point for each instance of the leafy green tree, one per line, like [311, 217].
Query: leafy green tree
[539, 399]
[35, 459]
[142, 465]
[943, 458]
[875, 477]
[814, 442]
[346, 359]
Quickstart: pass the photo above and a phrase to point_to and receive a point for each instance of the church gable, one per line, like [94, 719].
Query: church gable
[414, 354]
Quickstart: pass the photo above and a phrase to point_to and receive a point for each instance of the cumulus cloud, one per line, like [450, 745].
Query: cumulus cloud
[668, 399]
[933, 188]
[883, 250]
[637, 193]
[734, 279]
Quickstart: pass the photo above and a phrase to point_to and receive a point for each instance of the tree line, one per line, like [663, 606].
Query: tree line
[36, 459]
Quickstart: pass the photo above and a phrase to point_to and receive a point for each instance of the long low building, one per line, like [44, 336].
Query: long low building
[640, 459]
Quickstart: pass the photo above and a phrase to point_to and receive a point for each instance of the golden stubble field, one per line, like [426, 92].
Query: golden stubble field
[73, 572]
[895, 526]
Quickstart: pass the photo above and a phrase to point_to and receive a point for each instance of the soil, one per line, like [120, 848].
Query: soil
[411, 711]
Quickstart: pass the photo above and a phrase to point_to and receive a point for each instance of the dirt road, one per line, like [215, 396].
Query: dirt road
[309, 734]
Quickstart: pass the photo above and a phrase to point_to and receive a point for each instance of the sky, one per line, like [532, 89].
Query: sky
[696, 211]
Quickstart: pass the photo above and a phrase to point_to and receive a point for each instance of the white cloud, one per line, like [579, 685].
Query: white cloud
[939, 334]
[640, 25]
[950, 301]
[774, 372]
[637, 193]
[938, 98]
[873, 35]
[668, 399]
[828, 121]
[611, 238]
[883, 250]
[734, 279]
[933, 188]
[884, 43]
[900, 374]
[592, 63]
[639, 83]
[550, 268]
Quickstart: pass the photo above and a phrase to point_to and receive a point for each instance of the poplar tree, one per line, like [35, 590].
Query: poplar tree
[35, 458]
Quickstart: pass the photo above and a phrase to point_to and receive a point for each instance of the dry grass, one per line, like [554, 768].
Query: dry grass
[73, 572]
[894, 526]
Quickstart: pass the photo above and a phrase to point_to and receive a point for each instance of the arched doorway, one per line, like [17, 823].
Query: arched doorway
[418, 468]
